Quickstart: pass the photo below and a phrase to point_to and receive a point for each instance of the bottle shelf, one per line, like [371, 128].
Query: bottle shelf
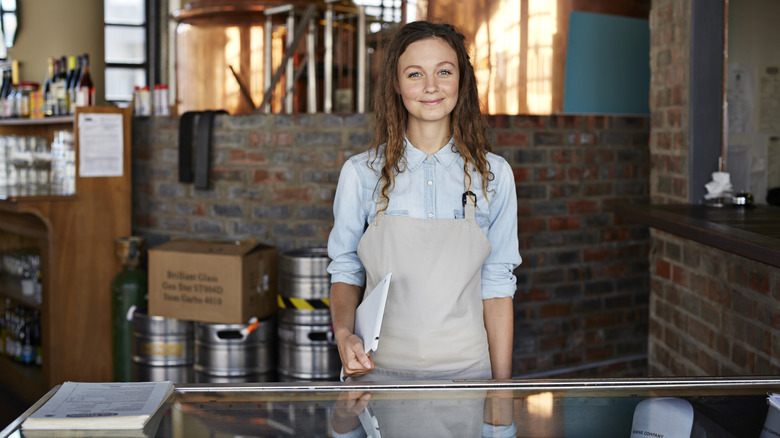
[75, 235]
[10, 288]
[25, 380]
[43, 121]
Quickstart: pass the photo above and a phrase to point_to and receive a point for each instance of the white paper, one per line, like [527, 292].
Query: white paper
[91, 406]
[773, 162]
[370, 423]
[101, 145]
[369, 314]
[769, 99]
[666, 417]
[740, 98]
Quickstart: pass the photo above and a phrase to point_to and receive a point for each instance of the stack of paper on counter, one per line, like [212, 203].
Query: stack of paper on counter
[115, 409]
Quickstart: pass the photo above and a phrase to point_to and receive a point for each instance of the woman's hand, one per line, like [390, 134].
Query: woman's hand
[344, 299]
[344, 416]
[354, 360]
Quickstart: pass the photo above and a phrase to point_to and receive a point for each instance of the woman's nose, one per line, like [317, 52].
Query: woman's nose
[430, 85]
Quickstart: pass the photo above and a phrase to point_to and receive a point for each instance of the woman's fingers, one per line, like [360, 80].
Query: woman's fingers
[353, 359]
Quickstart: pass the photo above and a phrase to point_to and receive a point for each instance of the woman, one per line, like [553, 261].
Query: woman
[429, 203]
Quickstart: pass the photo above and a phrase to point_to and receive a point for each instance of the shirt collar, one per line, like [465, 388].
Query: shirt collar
[445, 156]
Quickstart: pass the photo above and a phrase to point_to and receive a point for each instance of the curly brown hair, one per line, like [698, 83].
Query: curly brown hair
[467, 123]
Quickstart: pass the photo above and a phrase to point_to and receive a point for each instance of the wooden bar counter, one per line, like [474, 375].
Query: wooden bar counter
[751, 232]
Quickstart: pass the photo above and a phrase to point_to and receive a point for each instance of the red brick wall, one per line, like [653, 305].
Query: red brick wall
[581, 304]
[712, 313]
[669, 100]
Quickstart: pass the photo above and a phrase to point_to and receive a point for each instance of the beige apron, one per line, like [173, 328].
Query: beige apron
[433, 325]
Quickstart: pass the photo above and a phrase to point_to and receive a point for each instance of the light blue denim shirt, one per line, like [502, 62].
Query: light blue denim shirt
[429, 187]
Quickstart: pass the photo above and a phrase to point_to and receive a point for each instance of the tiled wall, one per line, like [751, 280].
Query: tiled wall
[582, 300]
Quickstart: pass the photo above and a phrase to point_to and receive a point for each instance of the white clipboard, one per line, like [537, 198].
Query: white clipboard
[369, 314]
[368, 317]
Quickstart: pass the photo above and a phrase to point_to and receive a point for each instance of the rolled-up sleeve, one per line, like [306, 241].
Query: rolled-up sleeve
[498, 279]
[349, 219]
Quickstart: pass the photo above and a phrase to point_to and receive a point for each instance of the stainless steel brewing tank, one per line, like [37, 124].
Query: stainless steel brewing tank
[214, 36]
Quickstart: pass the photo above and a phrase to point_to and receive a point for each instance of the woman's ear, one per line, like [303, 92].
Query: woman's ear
[396, 87]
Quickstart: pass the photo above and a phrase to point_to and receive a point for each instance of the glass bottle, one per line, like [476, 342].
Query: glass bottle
[47, 89]
[85, 89]
[128, 292]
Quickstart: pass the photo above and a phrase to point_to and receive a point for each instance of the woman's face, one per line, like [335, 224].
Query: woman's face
[428, 78]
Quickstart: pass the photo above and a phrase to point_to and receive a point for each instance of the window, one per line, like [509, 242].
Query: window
[126, 48]
[8, 21]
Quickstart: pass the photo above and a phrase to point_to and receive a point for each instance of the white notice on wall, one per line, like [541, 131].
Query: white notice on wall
[769, 99]
[101, 148]
[741, 99]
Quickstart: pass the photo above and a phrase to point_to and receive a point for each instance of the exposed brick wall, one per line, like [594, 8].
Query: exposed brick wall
[582, 300]
[669, 100]
[712, 313]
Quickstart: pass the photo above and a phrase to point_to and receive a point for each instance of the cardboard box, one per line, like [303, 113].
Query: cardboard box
[213, 281]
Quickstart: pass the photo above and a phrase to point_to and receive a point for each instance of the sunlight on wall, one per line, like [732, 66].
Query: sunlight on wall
[231, 56]
[542, 18]
[256, 67]
[501, 55]
[497, 51]
[540, 404]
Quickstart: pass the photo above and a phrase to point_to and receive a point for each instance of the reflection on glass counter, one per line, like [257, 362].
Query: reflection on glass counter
[667, 408]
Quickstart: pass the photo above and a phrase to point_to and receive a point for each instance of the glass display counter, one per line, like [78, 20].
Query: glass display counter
[661, 408]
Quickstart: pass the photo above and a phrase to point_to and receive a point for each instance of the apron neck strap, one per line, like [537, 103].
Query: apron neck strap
[469, 211]
[469, 201]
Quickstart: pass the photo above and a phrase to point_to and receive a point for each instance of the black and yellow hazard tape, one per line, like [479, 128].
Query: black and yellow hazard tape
[302, 304]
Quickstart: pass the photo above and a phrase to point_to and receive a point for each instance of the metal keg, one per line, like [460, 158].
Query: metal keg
[223, 350]
[173, 373]
[304, 286]
[162, 348]
[249, 378]
[306, 352]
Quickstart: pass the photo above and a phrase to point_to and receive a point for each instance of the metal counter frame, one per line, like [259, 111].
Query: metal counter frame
[578, 401]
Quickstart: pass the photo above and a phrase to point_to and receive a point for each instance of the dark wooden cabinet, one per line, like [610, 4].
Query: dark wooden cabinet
[75, 236]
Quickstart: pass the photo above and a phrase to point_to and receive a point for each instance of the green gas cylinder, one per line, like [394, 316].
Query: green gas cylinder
[128, 292]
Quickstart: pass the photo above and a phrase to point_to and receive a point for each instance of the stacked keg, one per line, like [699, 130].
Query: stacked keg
[162, 348]
[306, 351]
[234, 353]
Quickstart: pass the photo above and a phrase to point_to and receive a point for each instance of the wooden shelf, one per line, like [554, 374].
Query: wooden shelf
[43, 121]
[26, 381]
[12, 288]
[75, 235]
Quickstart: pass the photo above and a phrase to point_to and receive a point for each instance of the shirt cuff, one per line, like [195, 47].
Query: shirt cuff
[357, 432]
[354, 279]
[490, 431]
[497, 291]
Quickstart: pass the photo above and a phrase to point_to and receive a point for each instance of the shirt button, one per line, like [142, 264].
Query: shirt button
[428, 159]
[430, 183]
[430, 214]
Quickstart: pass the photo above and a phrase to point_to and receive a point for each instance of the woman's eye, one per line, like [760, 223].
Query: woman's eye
[445, 72]
[413, 75]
